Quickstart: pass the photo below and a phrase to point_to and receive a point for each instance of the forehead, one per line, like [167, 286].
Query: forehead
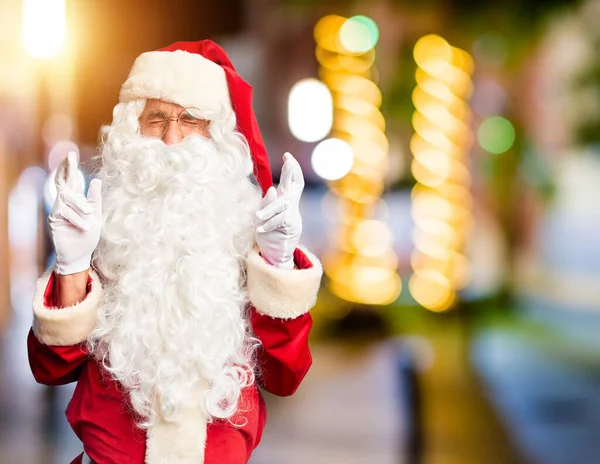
[166, 107]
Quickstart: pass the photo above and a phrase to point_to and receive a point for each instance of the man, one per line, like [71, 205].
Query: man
[197, 292]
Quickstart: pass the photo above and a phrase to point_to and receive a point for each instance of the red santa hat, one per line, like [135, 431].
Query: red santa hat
[200, 74]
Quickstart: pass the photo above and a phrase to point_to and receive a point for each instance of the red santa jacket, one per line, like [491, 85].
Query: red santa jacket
[99, 411]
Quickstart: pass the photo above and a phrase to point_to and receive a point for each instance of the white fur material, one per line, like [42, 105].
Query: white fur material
[187, 79]
[282, 293]
[183, 442]
[64, 326]
[178, 222]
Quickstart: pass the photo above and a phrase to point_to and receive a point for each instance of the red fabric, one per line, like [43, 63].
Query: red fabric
[241, 100]
[99, 411]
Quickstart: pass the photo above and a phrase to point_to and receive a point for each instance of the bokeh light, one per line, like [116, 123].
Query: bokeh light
[310, 110]
[432, 290]
[332, 159]
[432, 54]
[441, 199]
[496, 135]
[359, 34]
[372, 238]
[361, 264]
[44, 27]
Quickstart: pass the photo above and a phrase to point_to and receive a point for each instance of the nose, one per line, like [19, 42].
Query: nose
[173, 134]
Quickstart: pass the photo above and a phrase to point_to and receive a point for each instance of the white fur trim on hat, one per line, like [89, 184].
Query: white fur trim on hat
[187, 79]
[282, 293]
[179, 443]
[65, 326]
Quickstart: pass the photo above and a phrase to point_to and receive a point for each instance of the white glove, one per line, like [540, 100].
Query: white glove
[75, 221]
[279, 224]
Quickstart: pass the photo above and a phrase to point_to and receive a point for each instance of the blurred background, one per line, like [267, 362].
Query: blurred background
[452, 156]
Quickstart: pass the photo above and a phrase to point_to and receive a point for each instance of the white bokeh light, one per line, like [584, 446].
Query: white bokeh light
[310, 110]
[332, 159]
[44, 27]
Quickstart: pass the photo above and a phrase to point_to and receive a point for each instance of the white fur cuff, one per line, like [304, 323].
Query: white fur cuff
[65, 326]
[281, 293]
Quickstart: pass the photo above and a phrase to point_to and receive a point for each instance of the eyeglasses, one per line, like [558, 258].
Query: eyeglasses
[154, 122]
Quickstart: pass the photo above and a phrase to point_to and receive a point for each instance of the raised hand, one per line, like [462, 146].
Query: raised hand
[278, 221]
[75, 221]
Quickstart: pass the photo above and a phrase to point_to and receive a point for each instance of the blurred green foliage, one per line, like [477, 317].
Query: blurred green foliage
[588, 132]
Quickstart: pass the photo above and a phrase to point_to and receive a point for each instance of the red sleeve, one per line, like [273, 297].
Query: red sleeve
[55, 365]
[284, 356]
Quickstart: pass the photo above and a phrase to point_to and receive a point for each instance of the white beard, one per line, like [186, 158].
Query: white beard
[179, 226]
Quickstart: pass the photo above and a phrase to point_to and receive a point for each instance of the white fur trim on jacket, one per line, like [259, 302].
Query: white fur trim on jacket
[65, 326]
[282, 293]
[187, 79]
[180, 443]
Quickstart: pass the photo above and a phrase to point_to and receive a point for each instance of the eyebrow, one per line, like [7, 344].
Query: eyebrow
[155, 112]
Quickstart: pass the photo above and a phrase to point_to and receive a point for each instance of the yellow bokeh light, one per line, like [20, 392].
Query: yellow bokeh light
[419, 145]
[372, 238]
[360, 108]
[358, 126]
[458, 81]
[328, 59]
[428, 177]
[456, 107]
[358, 189]
[436, 171]
[439, 207]
[428, 244]
[455, 79]
[439, 117]
[442, 202]
[437, 138]
[362, 279]
[361, 265]
[368, 152]
[453, 266]
[435, 227]
[382, 293]
[456, 193]
[462, 60]
[432, 290]
[434, 88]
[433, 54]
[326, 32]
[358, 64]
[350, 84]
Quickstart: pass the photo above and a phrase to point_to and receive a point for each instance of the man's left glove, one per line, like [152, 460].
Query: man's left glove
[278, 221]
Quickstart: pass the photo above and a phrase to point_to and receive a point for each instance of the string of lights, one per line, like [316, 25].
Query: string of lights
[360, 262]
[441, 199]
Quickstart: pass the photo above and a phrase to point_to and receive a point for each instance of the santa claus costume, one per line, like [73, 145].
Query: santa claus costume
[187, 313]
